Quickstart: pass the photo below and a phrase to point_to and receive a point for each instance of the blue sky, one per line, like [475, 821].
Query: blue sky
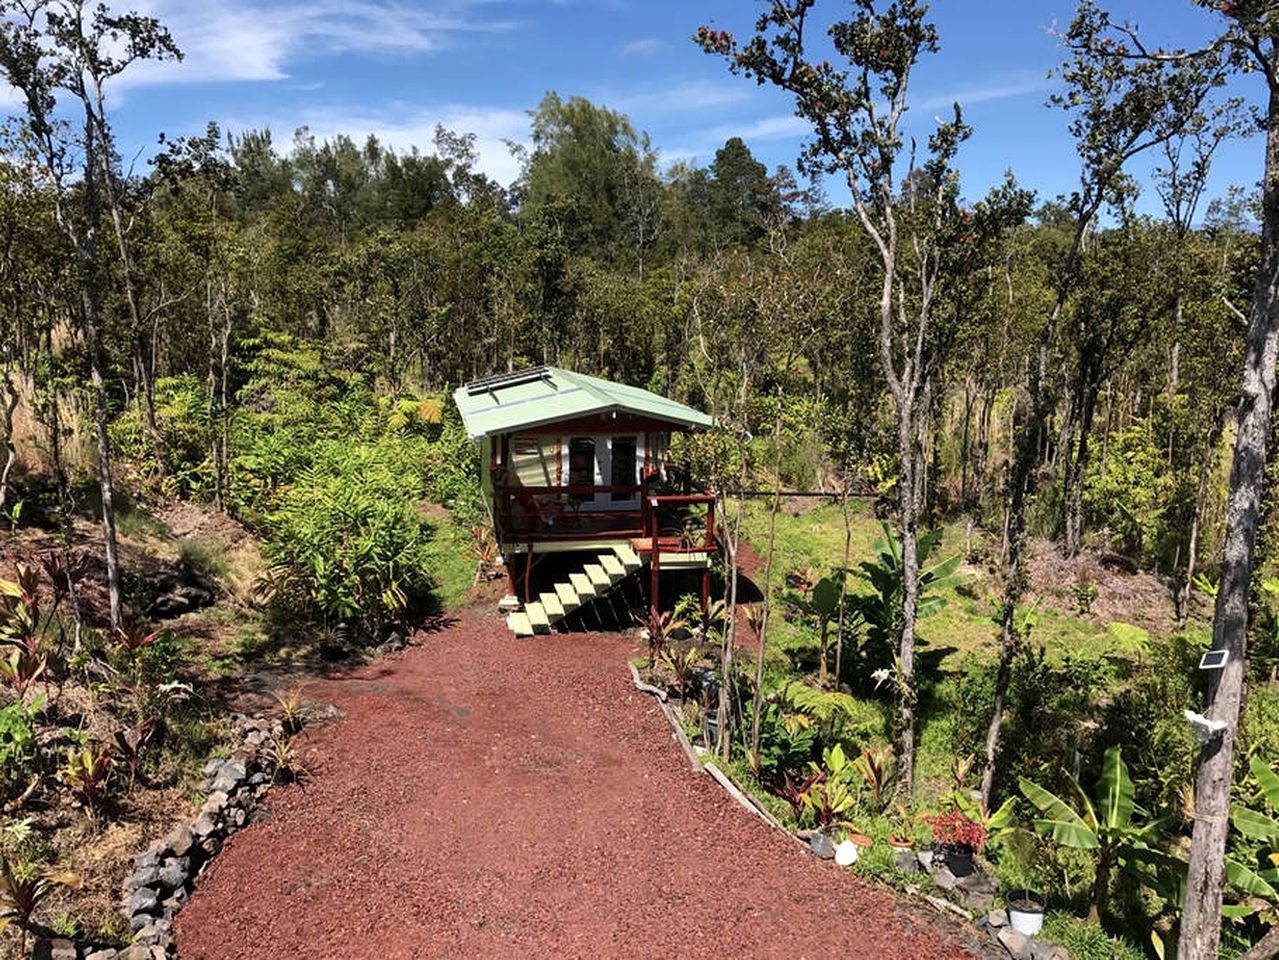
[396, 68]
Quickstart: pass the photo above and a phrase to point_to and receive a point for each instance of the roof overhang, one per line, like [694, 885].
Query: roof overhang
[541, 396]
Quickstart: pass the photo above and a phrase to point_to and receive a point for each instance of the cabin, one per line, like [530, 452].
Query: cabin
[586, 508]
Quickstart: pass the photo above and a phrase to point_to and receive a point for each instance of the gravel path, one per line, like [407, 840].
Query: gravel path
[486, 797]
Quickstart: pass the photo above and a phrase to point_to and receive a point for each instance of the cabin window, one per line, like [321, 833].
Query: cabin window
[533, 461]
[624, 461]
[581, 464]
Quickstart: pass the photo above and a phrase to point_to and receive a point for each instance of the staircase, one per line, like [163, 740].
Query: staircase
[595, 580]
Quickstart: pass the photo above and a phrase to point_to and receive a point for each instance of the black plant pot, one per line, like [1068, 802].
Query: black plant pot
[959, 858]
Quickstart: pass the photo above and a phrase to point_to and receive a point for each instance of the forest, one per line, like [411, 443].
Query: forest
[1012, 406]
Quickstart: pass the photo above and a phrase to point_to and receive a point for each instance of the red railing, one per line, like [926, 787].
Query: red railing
[542, 513]
[682, 544]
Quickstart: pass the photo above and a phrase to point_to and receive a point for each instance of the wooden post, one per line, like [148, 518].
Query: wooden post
[654, 566]
[709, 545]
[528, 569]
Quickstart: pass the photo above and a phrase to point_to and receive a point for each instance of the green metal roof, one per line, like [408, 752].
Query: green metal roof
[544, 395]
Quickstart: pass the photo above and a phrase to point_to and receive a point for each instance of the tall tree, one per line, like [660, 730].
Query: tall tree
[909, 210]
[1122, 105]
[1252, 41]
[49, 47]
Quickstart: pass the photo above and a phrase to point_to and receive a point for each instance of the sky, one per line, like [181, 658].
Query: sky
[396, 68]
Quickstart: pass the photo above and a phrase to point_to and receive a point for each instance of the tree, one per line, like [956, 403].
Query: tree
[1122, 105]
[47, 46]
[912, 216]
[1251, 38]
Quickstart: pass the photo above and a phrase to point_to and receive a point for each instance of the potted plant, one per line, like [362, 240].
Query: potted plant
[1025, 911]
[957, 838]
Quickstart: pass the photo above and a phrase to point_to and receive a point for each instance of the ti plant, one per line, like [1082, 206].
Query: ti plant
[483, 547]
[681, 666]
[130, 745]
[656, 627]
[876, 768]
[1106, 827]
[87, 772]
[829, 795]
[293, 710]
[23, 888]
[22, 668]
[795, 792]
[1252, 869]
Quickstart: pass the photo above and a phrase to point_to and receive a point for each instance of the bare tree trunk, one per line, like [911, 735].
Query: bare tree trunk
[1201, 918]
[10, 405]
[211, 404]
[1076, 470]
[843, 577]
[768, 572]
[1265, 948]
[1196, 520]
[93, 336]
[906, 437]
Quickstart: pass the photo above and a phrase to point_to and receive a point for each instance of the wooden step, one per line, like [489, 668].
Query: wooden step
[551, 603]
[569, 598]
[537, 617]
[599, 579]
[582, 584]
[698, 560]
[630, 559]
[612, 566]
[520, 624]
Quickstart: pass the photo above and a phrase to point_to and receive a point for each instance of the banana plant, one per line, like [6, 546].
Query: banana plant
[1259, 884]
[821, 604]
[1106, 827]
[882, 610]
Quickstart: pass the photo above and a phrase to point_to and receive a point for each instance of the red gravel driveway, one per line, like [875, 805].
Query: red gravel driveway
[487, 797]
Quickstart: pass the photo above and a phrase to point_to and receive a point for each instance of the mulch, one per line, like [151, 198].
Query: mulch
[487, 797]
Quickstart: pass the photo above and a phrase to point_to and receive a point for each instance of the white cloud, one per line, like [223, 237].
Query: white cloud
[1014, 86]
[678, 97]
[648, 45]
[227, 40]
[403, 127]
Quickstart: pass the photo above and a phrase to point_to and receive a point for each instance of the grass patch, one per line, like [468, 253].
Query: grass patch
[452, 566]
[1088, 941]
[209, 559]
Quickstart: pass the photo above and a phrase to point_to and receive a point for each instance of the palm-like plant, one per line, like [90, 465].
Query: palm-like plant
[87, 771]
[656, 627]
[881, 610]
[1105, 827]
[821, 604]
[23, 888]
[681, 666]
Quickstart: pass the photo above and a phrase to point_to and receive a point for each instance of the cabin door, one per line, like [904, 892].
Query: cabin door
[604, 461]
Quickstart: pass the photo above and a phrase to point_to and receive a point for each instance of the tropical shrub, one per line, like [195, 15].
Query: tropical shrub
[182, 423]
[341, 552]
[881, 610]
[786, 743]
[1106, 828]
[19, 751]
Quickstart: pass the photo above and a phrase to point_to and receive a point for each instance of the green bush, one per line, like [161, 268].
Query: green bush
[342, 552]
[182, 423]
[19, 753]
